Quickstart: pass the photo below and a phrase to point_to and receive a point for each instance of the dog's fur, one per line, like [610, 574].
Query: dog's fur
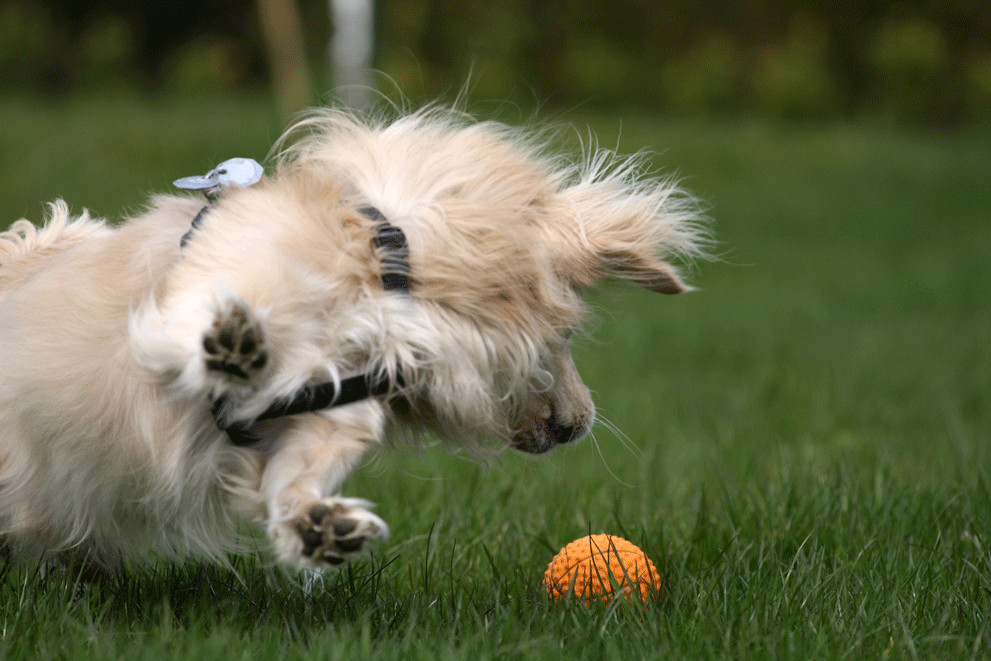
[114, 342]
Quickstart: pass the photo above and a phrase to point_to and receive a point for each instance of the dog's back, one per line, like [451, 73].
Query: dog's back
[24, 248]
[82, 433]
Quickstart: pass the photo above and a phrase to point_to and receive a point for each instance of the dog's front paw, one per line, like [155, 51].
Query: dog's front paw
[328, 533]
[234, 344]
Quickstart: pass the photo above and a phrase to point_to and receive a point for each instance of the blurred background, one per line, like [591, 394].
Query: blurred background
[920, 62]
[830, 373]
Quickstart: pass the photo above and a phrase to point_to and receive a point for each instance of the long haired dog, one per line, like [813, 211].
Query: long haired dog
[424, 274]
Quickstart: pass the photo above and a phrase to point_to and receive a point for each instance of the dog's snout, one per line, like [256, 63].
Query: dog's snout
[544, 432]
[561, 414]
[563, 432]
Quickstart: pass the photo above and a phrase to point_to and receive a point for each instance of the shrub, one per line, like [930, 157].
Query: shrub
[107, 52]
[978, 92]
[27, 36]
[206, 65]
[793, 79]
[910, 61]
[708, 79]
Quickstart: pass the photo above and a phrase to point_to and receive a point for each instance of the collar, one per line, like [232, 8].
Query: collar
[392, 243]
[232, 173]
[394, 254]
[244, 172]
[394, 248]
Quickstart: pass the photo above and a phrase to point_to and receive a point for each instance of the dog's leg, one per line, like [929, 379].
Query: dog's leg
[210, 344]
[309, 525]
[234, 344]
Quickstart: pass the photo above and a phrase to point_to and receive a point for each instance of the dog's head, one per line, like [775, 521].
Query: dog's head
[505, 239]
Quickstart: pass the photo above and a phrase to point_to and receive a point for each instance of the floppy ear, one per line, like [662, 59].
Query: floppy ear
[644, 270]
[611, 227]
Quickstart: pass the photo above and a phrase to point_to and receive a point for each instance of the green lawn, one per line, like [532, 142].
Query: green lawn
[804, 444]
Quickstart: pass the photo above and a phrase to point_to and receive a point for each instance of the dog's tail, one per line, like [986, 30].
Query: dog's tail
[24, 248]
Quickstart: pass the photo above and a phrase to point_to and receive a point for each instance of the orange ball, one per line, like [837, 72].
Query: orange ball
[593, 568]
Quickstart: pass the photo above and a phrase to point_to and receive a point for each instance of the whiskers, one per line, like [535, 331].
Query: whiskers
[627, 442]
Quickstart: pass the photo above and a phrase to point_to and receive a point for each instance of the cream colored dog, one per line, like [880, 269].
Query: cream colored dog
[122, 351]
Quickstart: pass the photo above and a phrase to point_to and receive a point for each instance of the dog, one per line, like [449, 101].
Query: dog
[197, 366]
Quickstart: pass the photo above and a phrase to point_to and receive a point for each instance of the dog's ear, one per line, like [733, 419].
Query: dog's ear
[643, 269]
[604, 228]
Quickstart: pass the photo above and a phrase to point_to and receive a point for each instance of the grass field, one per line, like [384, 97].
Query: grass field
[805, 446]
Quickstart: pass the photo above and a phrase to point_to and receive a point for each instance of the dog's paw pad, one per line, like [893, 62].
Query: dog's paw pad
[334, 532]
[235, 344]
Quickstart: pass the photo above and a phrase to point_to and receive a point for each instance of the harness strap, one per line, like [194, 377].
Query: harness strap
[391, 241]
[312, 398]
[193, 226]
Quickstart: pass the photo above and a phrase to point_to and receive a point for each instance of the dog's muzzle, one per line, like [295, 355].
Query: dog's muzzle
[555, 419]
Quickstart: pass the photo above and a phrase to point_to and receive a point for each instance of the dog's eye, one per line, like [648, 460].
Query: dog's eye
[224, 171]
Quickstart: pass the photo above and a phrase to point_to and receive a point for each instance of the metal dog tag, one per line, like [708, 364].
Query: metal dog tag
[241, 172]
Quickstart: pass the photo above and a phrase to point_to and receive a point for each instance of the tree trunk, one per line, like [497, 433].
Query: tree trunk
[282, 29]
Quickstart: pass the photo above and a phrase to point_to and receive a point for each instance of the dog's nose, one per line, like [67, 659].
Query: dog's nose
[561, 433]
[549, 432]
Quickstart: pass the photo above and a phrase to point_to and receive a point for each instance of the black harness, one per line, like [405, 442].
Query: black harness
[311, 398]
[392, 243]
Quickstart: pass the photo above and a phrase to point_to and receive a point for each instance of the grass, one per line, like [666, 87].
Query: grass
[805, 442]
